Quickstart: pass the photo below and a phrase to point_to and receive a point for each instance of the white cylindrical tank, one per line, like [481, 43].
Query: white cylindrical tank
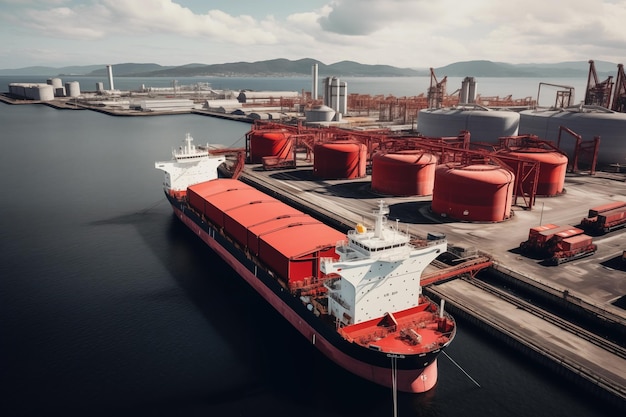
[72, 89]
[44, 93]
[336, 95]
[41, 92]
[587, 121]
[485, 125]
[55, 82]
[319, 114]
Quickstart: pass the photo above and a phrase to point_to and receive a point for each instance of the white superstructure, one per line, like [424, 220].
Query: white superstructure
[379, 271]
[189, 165]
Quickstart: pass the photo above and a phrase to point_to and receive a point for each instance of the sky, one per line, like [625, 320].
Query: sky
[401, 33]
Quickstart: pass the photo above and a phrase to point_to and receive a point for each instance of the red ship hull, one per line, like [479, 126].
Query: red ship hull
[406, 380]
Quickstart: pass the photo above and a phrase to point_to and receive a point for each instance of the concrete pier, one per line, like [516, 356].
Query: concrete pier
[601, 365]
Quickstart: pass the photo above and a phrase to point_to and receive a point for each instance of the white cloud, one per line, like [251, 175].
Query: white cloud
[406, 33]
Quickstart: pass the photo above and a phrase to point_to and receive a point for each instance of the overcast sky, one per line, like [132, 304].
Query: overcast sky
[402, 33]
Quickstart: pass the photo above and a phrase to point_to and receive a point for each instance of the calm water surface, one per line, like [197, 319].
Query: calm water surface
[109, 306]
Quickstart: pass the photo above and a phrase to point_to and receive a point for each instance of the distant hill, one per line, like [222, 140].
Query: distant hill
[121, 70]
[302, 67]
[282, 67]
[50, 71]
[500, 69]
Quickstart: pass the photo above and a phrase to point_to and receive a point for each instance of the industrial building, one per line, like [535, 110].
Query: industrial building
[167, 105]
[265, 97]
[32, 91]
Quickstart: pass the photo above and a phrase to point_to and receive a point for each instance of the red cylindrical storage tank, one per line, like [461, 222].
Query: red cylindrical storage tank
[478, 193]
[276, 143]
[404, 173]
[340, 159]
[552, 169]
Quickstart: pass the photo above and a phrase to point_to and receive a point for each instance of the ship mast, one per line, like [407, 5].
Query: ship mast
[380, 218]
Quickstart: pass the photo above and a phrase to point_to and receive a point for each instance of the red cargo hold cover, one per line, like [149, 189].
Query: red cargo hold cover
[293, 252]
[239, 219]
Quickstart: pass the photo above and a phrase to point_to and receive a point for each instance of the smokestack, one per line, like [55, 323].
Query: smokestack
[110, 71]
[314, 88]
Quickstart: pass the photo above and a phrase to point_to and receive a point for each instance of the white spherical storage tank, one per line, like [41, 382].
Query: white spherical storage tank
[586, 122]
[485, 125]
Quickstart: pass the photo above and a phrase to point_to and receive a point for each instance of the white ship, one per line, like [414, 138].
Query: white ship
[189, 165]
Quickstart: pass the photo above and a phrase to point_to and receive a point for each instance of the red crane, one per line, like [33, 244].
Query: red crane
[619, 97]
[598, 93]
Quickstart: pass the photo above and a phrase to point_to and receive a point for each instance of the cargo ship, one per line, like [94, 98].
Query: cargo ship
[356, 297]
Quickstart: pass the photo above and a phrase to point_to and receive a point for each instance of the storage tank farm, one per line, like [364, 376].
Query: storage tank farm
[340, 159]
[474, 193]
[404, 173]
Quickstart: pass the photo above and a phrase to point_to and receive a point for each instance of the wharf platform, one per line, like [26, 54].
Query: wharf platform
[557, 344]
[72, 104]
[591, 284]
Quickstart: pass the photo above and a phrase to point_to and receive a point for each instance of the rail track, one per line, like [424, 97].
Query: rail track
[549, 317]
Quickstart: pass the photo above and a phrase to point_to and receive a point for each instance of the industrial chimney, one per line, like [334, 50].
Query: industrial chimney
[110, 71]
[314, 88]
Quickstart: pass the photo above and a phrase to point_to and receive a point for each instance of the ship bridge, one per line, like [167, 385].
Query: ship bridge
[379, 271]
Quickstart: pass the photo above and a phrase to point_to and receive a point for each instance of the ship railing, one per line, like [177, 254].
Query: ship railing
[333, 284]
[420, 243]
[337, 298]
[348, 253]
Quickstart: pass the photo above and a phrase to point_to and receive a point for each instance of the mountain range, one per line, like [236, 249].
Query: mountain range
[302, 67]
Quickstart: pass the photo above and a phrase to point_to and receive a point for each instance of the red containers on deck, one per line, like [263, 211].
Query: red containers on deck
[552, 169]
[404, 173]
[340, 160]
[480, 193]
[276, 143]
[290, 242]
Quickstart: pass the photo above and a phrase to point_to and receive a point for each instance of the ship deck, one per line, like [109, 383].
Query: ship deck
[412, 331]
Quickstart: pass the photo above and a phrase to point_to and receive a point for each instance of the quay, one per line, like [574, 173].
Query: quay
[70, 104]
[586, 288]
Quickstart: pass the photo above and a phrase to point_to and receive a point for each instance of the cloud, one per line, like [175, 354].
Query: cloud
[406, 33]
[365, 17]
[143, 17]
